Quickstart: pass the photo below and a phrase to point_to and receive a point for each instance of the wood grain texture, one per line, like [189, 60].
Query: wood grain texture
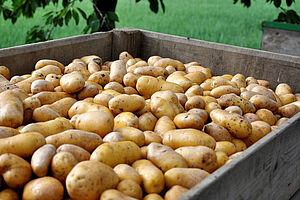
[21, 59]
[224, 59]
[269, 169]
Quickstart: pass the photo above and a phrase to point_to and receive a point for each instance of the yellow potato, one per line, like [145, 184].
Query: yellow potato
[234, 109]
[41, 85]
[195, 102]
[264, 91]
[251, 117]
[88, 179]
[103, 99]
[264, 83]
[163, 125]
[234, 100]
[281, 121]
[130, 79]
[212, 106]
[184, 82]
[255, 135]
[236, 124]
[73, 82]
[152, 177]
[44, 62]
[118, 87]
[78, 68]
[194, 90]
[147, 121]
[99, 122]
[267, 116]
[9, 194]
[15, 170]
[87, 140]
[221, 158]
[81, 107]
[182, 98]
[48, 128]
[54, 79]
[125, 56]
[164, 62]
[175, 192]
[188, 120]
[224, 89]
[50, 97]
[130, 90]
[46, 188]
[113, 194]
[282, 89]
[132, 134]
[22, 145]
[101, 77]
[185, 177]
[6, 132]
[144, 150]
[41, 159]
[130, 188]
[126, 103]
[240, 80]
[151, 71]
[288, 110]
[48, 69]
[287, 98]
[196, 77]
[202, 113]
[161, 107]
[153, 196]
[79, 153]
[114, 137]
[239, 145]
[225, 146]
[126, 172]
[116, 153]
[219, 133]
[29, 105]
[93, 67]
[140, 63]
[164, 157]
[126, 119]
[5, 72]
[117, 71]
[251, 80]
[199, 157]
[89, 90]
[152, 137]
[187, 137]
[91, 58]
[16, 79]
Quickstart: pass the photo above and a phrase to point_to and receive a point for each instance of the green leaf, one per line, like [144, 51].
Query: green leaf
[112, 16]
[49, 20]
[86, 29]
[82, 13]
[48, 13]
[68, 17]
[75, 16]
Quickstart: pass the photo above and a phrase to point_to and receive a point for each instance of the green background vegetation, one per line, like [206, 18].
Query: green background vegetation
[212, 20]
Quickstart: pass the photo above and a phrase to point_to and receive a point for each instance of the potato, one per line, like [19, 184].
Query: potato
[117, 71]
[99, 122]
[212, 106]
[88, 179]
[73, 82]
[144, 150]
[132, 134]
[264, 91]
[62, 163]
[287, 98]
[161, 107]
[264, 83]
[152, 137]
[222, 158]
[91, 58]
[152, 59]
[282, 89]
[288, 110]
[9, 194]
[113, 137]
[116, 153]
[126, 119]
[43, 72]
[151, 71]
[236, 124]
[11, 112]
[187, 137]
[103, 99]
[59, 108]
[239, 145]
[54, 79]
[5, 72]
[175, 192]
[297, 95]
[126, 103]
[219, 133]
[48, 128]
[225, 146]
[140, 63]
[164, 157]
[224, 89]
[188, 120]
[184, 82]
[79, 153]
[113, 194]
[41, 85]
[44, 62]
[196, 77]
[147, 121]
[87, 140]
[182, 98]
[199, 157]
[130, 188]
[81, 107]
[264, 126]
[130, 62]
[115, 86]
[251, 117]
[164, 62]
[130, 79]
[281, 121]
[6, 132]
[16, 79]
[202, 113]
[163, 125]
[234, 109]
[153, 178]
[267, 116]
[78, 68]
[240, 80]
[251, 80]
[185, 177]
[22, 145]
[15, 170]
[101, 77]
[46, 188]
[126, 172]
[194, 91]
[130, 90]
[125, 56]
[93, 67]
[29, 105]
[89, 90]
[50, 97]
[41, 159]
[148, 85]
[153, 196]
[195, 102]
[234, 100]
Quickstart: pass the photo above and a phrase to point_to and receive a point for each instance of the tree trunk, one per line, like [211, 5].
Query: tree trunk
[104, 6]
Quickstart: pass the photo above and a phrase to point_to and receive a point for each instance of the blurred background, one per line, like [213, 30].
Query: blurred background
[211, 20]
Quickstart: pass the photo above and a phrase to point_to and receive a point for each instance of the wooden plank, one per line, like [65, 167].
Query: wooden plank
[21, 59]
[126, 39]
[222, 59]
[269, 169]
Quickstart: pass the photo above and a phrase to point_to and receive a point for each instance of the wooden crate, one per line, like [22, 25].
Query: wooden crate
[269, 169]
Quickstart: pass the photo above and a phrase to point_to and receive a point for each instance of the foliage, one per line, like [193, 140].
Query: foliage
[288, 16]
[102, 19]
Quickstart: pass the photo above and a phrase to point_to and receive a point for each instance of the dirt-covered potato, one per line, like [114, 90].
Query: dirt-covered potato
[89, 179]
[45, 188]
[41, 159]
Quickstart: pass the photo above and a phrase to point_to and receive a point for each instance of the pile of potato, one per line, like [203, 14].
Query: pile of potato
[127, 129]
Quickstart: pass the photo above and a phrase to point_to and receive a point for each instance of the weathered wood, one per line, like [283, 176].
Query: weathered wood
[222, 59]
[126, 39]
[269, 169]
[21, 59]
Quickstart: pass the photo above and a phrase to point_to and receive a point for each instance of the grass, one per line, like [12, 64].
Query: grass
[212, 20]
